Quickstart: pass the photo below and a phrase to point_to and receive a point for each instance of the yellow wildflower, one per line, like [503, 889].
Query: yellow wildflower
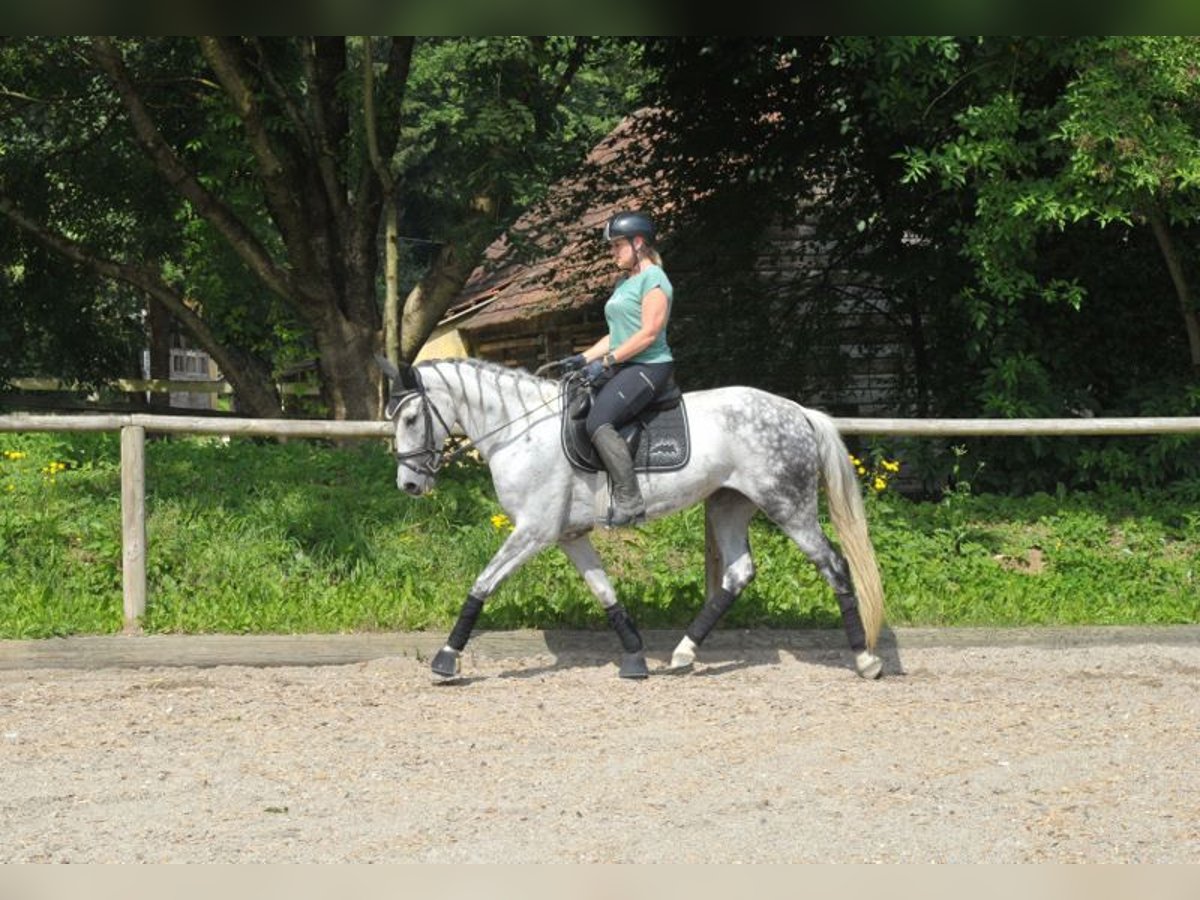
[501, 521]
[875, 475]
[14, 454]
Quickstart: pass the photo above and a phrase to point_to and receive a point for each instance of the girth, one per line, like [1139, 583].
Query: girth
[657, 436]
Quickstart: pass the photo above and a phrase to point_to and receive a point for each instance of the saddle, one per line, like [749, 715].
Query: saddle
[657, 436]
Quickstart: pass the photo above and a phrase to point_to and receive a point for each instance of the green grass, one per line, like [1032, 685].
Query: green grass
[302, 537]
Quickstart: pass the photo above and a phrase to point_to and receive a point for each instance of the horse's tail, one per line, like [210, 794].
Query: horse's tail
[850, 520]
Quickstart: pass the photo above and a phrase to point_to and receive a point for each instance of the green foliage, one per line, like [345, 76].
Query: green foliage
[276, 249]
[1065, 143]
[246, 536]
[987, 197]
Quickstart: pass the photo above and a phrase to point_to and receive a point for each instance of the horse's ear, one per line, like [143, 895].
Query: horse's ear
[385, 366]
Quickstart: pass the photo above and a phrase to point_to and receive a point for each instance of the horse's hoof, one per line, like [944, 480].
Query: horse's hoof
[633, 665]
[447, 663]
[868, 665]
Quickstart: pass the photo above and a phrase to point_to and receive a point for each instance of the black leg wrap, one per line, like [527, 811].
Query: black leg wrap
[714, 607]
[619, 619]
[852, 622]
[466, 622]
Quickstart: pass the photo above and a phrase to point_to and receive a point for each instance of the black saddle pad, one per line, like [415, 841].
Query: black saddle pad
[658, 438]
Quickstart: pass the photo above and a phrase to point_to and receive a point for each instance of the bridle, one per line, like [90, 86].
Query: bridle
[429, 459]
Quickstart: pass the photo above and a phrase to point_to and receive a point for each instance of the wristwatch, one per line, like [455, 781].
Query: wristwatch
[609, 360]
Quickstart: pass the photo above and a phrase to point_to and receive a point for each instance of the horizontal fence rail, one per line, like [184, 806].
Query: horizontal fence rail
[153, 386]
[134, 426]
[230, 427]
[1020, 427]
[325, 428]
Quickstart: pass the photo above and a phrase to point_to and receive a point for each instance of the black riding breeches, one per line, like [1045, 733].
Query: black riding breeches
[626, 393]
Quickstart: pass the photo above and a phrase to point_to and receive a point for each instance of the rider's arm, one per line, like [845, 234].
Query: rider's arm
[597, 350]
[654, 320]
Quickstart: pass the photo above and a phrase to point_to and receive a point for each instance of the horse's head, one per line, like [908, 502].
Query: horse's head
[420, 428]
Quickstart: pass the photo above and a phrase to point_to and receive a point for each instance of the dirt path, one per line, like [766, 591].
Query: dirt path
[965, 754]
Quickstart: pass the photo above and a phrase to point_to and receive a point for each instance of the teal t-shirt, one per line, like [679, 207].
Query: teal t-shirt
[623, 312]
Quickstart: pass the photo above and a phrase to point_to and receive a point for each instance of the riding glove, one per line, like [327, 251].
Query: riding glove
[572, 363]
[593, 370]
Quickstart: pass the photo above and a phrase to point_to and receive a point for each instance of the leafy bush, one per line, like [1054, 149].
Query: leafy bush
[248, 536]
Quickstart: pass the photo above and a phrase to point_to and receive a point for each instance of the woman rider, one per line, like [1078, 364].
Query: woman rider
[632, 363]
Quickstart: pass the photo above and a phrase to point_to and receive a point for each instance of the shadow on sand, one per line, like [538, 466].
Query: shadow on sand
[725, 651]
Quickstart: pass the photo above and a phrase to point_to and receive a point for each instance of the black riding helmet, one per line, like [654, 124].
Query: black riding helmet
[629, 224]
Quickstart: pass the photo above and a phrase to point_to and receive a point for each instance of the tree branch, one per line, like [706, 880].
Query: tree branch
[324, 149]
[391, 272]
[249, 377]
[395, 83]
[440, 287]
[278, 182]
[183, 180]
[1183, 292]
[382, 169]
[293, 111]
[578, 54]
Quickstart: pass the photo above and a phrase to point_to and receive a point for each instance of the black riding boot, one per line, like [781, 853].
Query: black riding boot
[628, 508]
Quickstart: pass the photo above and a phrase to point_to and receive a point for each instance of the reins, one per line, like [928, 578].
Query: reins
[440, 459]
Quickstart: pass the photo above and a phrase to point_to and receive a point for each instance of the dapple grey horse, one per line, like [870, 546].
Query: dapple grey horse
[751, 450]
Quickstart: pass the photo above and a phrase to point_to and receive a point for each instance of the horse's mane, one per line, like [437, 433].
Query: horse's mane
[522, 378]
[485, 364]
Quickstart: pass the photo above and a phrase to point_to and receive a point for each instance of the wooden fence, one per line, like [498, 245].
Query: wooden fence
[133, 428]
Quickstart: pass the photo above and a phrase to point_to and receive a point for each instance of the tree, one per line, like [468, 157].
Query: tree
[1038, 145]
[767, 131]
[1001, 191]
[242, 183]
[1108, 133]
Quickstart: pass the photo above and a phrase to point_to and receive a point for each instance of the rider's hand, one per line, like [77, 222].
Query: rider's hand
[572, 363]
[593, 370]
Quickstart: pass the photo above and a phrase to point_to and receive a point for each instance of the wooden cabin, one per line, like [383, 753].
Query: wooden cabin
[817, 335]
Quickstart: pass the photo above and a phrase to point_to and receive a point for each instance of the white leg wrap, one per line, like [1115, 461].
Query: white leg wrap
[868, 665]
[685, 653]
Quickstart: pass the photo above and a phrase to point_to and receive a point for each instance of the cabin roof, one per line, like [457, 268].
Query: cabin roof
[553, 258]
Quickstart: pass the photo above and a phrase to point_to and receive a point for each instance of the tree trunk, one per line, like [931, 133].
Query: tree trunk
[391, 301]
[350, 381]
[1191, 320]
[429, 300]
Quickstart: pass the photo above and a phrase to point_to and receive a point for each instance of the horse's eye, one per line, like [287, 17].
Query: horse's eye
[409, 420]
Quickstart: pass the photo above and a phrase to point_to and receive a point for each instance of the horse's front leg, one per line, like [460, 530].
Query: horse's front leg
[521, 545]
[581, 552]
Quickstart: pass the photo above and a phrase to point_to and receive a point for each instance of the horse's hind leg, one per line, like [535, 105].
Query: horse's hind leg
[830, 562]
[730, 567]
[581, 552]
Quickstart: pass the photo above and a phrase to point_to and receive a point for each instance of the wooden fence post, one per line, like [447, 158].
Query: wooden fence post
[133, 524]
